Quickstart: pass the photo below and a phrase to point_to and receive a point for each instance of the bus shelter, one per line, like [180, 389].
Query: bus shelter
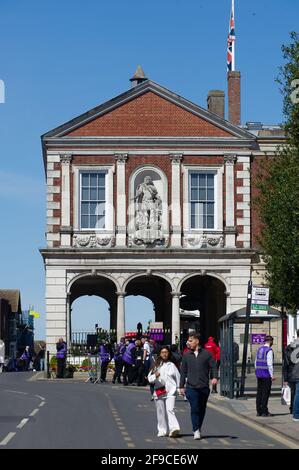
[231, 353]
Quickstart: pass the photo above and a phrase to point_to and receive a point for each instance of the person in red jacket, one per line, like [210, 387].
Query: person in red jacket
[214, 349]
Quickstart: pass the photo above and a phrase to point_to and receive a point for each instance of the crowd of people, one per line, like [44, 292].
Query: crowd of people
[26, 359]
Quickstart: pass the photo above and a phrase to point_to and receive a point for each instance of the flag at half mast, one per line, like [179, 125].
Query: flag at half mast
[231, 41]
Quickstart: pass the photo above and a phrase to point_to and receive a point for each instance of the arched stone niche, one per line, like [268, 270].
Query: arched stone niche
[148, 208]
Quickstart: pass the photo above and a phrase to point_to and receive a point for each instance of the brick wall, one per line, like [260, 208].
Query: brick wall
[149, 115]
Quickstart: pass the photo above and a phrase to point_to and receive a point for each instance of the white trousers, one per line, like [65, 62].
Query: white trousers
[166, 414]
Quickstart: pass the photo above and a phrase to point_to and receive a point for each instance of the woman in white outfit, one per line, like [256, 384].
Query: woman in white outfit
[166, 379]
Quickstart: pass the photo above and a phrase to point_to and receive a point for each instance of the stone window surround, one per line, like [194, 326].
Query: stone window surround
[109, 219]
[219, 171]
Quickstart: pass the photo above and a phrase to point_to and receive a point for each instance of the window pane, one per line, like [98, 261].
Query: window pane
[210, 221]
[201, 223]
[100, 208]
[100, 222]
[92, 221]
[93, 208]
[194, 179]
[210, 194]
[93, 194]
[84, 221]
[202, 180]
[101, 194]
[210, 180]
[193, 206]
[93, 180]
[193, 221]
[210, 208]
[101, 180]
[85, 179]
[84, 208]
[85, 194]
[202, 194]
[194, 194]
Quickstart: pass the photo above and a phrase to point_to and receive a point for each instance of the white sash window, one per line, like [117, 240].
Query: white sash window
[93, 200]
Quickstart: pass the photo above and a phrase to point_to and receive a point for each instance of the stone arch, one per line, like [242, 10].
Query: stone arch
[215, 275]
[208, 294]
[135, 276]
[88, 274]
[158, 289]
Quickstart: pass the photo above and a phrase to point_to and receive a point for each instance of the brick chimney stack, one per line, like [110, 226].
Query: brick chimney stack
[215, 102]
[234, 97]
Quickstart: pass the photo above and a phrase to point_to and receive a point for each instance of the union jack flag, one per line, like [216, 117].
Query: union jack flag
[231, 41]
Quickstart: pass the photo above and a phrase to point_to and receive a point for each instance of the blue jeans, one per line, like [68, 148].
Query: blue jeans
[198, 398]
[296, 402]
[42, 364]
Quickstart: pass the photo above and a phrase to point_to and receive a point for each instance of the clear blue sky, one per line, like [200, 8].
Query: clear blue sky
[61, 58]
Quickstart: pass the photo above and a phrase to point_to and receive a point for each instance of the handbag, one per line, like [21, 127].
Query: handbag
[286, 395]
[160, 389]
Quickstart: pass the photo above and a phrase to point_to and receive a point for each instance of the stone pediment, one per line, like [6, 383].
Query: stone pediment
[149, 110]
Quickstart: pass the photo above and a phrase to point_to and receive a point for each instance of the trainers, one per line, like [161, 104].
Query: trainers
[295, 419]
[174, 433]
[197, 434]
[161, 434]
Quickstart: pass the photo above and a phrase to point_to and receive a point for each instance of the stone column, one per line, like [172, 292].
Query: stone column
[121, 206]
[120, 314]
[175, 324]
[230, 229]
[176, 219]
[68, 321]
[66, 228]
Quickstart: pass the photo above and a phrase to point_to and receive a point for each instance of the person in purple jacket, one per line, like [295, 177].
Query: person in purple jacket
[61, 357]
[105, 359]
[264, 374]
[129, 361]
[118, 360]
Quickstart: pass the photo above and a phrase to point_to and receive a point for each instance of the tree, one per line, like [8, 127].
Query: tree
[278, 199]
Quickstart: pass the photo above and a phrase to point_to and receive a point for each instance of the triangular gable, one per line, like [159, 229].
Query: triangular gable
[149, 110]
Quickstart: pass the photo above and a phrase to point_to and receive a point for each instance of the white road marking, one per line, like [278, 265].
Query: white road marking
[224, 442]
[16, 391]
[7, 438]
[42, 404]
[22, 423]
[42, 398]
[34, 412]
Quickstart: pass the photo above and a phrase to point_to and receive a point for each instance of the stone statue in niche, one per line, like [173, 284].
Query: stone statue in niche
[148, 212]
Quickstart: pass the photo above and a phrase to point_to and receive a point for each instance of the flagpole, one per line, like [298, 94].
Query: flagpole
[234, 42]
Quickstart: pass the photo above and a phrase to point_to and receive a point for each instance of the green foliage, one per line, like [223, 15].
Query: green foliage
[86, 363]
[278, 199]
[278, 206]
[289, 72]
[53, 361]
